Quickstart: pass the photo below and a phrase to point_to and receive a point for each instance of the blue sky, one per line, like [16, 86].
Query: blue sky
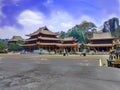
[20, 17]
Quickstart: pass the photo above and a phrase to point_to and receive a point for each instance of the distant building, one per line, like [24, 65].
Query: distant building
[14, 39]
[44, 38]
[101, 41]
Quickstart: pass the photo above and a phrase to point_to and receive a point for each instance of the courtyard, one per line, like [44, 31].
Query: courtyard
[56, 72]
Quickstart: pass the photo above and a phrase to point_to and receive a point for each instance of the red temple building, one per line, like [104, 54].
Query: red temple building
[45, 39]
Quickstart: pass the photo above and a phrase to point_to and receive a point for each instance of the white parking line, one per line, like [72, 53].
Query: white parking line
[100, 62]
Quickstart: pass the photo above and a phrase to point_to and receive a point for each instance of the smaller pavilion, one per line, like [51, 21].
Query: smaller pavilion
[14, 39]
[101, 41]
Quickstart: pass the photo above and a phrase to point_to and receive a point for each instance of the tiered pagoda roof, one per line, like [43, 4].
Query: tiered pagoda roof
[43, 30]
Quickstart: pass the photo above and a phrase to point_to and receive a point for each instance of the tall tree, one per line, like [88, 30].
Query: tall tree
[15, 46]
[78, 34]
[3, 46]
[85, 26]
[88, 28]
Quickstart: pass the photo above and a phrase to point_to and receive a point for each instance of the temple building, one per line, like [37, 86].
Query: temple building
[15, 39]
[101, 41]
[45, 39]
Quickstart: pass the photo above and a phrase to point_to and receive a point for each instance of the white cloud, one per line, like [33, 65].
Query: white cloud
[113, 15]
[87, 18]
[63, 21]
[32, 20]
[8, 32]
[67, 25]
[58, 21]
[29, 20]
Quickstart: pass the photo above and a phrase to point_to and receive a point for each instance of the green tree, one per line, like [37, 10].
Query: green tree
[88, 28]
[62, 35]
[14, 47]
[78, 34]
[84, 26]
[89, 34]
[3, 46]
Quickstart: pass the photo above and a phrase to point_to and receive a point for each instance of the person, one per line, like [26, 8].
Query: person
[67, 52]
[84, 52]
[64, 52]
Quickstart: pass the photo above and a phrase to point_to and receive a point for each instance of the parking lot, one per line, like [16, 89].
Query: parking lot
[56, 73]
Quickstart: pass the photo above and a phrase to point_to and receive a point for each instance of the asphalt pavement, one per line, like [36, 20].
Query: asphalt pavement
[43, 74]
